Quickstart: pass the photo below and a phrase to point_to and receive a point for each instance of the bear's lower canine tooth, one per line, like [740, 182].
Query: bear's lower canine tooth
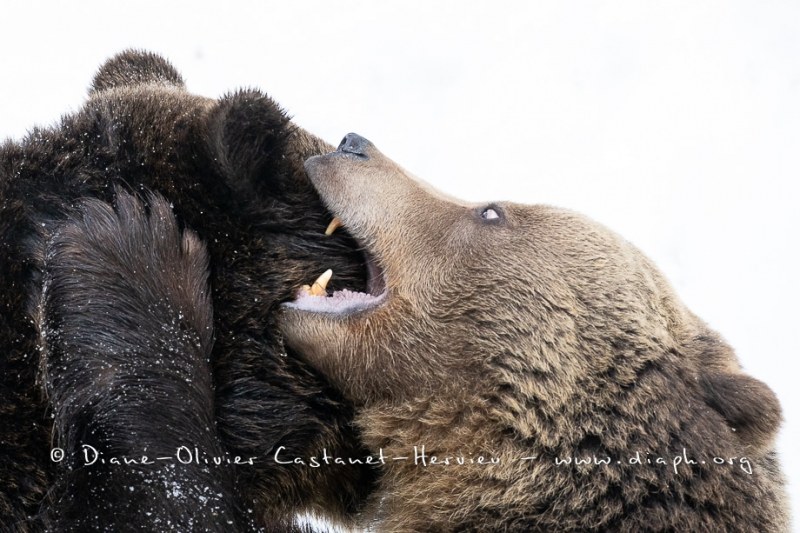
[335, 223]
[318, 287]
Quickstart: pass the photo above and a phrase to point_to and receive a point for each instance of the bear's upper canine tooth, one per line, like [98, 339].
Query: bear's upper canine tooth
[318, 287]
[335, 223]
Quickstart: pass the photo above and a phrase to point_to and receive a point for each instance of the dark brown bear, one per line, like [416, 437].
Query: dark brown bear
[106, 320]
[538, 342]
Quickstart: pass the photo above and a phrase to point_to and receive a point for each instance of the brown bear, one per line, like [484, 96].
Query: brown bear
[106, 301]
[523, 368]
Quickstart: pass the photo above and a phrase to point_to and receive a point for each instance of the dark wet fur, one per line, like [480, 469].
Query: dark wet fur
[232, 171]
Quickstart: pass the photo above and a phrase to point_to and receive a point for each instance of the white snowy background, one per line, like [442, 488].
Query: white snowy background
[675, 123]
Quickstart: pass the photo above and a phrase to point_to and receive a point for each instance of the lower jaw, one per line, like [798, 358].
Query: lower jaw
[314, 298]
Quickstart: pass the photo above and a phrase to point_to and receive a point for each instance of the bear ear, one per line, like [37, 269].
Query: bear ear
[135, 67]
[748, 405]
[248, 135]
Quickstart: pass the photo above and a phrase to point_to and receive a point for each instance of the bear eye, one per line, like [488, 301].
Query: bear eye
[489, 214]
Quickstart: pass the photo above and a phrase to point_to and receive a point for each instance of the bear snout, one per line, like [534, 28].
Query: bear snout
[354, 144]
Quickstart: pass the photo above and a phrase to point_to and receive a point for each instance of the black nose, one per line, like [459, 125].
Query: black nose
[354, 144]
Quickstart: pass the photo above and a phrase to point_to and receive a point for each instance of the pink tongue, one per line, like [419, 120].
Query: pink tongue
[342, 300]
[347, 294]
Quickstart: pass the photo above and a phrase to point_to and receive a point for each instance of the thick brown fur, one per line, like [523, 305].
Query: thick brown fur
[533, 337]
[76, 202]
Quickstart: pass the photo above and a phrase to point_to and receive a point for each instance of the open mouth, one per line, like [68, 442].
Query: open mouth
[315, 298]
